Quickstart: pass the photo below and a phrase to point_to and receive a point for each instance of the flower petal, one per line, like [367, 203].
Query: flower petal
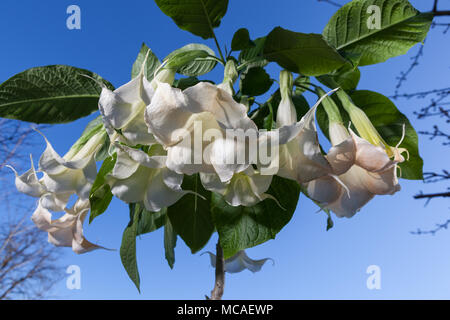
[239, 262]
[28, 183]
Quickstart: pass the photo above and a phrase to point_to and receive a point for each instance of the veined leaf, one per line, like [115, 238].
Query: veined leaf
[253, 57]
[170, 242]
[242, 227]
[151, 64]
[50, 94]
[199, 17]
[400, 27]
[101, 196]
[347, 78]
[307, 54]
[128, 249]
[192, 60]
[190, 216]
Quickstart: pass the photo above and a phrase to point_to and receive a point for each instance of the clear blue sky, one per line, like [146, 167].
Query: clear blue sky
[310, 263]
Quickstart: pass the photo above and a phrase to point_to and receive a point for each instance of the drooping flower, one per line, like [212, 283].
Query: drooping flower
[300, 156]
[239, 262]
[66, 231]
[123, 109]
[245, 188]
[192, 124]
[138, 177]
[366, 129]
[75, 172]
[363, 170]
[62, 177]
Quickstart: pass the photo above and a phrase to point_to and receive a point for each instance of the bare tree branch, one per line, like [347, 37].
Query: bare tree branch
[439, 226]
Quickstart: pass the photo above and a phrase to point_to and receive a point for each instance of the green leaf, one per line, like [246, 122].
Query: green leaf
[256, 81]
[199, 17]
[50, 94]
[241, 40]
[190, 216]
[330, 223]
[346, 78]
[389, 121]
[149, 221]
[301, 83]
[192, 60]
[101, 196]
[253, 57]
[401, 27]
[151, 65]
[184, 83]
[242, 227]
[170, 242]
[128, 249]
[307, 54]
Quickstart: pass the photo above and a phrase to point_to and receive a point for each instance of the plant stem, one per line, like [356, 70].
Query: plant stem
[219, 285]
[212, 32]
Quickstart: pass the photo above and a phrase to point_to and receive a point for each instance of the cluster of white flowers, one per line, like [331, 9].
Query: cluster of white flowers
[161, 133]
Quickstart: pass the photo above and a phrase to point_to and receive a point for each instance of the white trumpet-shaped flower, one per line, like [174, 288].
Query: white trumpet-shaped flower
[245, 188]
[300, 156]
[123, 109]
[366, 129]
[363, 170]
[191, 125]
[138, 177]
[239, 262]
[75, 172]
[66, 231]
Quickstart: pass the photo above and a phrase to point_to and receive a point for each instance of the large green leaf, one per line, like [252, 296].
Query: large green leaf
[190, 216]
[128, 249]
[389, 121]
[149, 221]
[50, 94]
[192, 60]
[170, 242]
[255, 81]
[151, 65]
[253, 56]
[241, 40]
[308, 54]
[244, 227]
[401, 27]
[199, 17]
[101, 196]
[347, 78]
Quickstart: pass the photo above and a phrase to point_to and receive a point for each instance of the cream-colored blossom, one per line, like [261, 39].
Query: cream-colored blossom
[138, 177]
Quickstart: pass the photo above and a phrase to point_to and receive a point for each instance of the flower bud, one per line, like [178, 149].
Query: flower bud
[230, 76]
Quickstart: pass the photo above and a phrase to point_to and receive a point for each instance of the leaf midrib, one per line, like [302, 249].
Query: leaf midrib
[48, 99]
[376, 32]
